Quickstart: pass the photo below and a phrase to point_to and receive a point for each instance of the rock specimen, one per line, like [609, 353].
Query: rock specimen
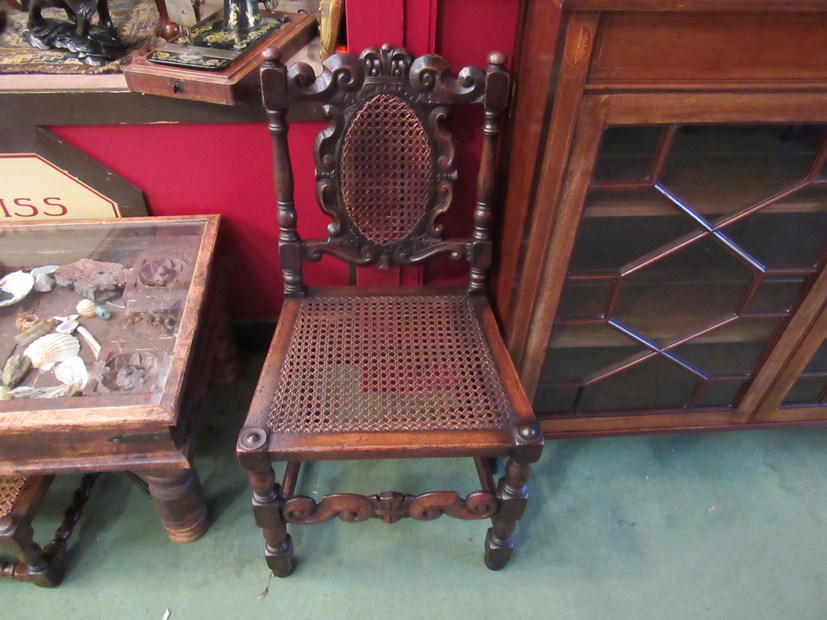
[95, 280]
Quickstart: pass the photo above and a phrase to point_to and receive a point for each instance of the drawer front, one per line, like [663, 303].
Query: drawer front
[683, 47]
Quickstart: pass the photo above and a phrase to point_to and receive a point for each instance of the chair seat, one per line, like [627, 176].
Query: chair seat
[388, 363]
[11, 488]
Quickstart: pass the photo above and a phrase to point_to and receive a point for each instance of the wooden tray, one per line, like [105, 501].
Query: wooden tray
[226, 86]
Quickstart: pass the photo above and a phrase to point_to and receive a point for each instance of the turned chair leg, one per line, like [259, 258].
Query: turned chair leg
[267, 501]
[512, 491]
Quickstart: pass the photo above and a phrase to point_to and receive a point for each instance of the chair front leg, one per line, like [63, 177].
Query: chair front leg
[267, 502]
[512, 491]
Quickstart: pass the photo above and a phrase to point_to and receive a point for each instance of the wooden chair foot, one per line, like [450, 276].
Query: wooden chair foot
[280, 559]
[47, 573]
[497, 551]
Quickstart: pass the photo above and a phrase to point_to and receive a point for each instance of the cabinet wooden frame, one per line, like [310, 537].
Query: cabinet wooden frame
[550, 175]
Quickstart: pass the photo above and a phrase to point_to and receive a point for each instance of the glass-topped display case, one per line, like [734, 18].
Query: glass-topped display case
[107, 335]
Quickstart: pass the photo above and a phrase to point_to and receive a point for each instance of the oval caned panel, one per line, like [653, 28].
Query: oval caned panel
[386, 169]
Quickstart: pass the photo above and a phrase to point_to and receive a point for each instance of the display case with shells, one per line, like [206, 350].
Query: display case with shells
[92, 312]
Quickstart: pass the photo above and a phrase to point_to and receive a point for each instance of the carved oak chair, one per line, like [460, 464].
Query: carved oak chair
[379, 373]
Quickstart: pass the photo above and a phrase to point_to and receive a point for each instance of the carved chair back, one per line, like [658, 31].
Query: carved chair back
[385, 165]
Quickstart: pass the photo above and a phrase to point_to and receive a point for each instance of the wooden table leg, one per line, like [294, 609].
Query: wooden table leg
[179, 501]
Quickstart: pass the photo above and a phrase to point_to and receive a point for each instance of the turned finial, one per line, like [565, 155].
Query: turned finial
[496, 58]
[271, 54]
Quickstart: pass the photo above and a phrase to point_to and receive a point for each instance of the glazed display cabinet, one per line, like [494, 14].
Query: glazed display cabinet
[663, 264]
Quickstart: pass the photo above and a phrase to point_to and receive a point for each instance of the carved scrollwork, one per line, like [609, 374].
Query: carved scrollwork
[431, 75]
[406, 255]
[349, 507]
[340, 73]
[446, 157]
[389, 506]
[360, 256]
[477, 505]
[443, 198]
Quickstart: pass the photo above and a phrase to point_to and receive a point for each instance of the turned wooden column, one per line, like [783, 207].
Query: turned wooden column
[180, 504]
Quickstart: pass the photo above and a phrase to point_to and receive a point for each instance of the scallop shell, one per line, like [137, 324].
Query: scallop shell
[72, 372]
[18, 284]
[86, 308]
[51, 349]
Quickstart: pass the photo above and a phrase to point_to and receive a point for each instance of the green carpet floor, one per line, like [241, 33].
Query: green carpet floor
[693, 526]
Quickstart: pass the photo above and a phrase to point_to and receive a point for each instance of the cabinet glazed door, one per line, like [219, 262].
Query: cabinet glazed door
[697, 240]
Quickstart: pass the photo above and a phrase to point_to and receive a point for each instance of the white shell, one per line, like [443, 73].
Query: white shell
[44, 281]
[67, 327]
[51, 349]
[86, 308]
[18, 284]
[72, 372]
[90, 340]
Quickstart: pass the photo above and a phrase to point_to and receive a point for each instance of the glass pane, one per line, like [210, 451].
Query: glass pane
[578, 351]
[806, 391]
[653, 384]
[682, 293]
[551, 399]
[729, 350]
[784, 240]
[718, 393]
[818, 363]
[775, 294]
[626, 154]
[585, 298]
[720, 169]
[618, 228]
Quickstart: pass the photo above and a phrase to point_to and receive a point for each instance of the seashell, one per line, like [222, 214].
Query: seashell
[86, 308]
[44, 281]
[51, 349]
[90, 340]
[15, 369]
[25, 321]
[72, 372]
[4, 393]
[38, 329]
[55, 391]
[14, 287]
[67, 327]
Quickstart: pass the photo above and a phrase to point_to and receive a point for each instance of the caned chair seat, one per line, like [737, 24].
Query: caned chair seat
[397, 363]
[388, 363]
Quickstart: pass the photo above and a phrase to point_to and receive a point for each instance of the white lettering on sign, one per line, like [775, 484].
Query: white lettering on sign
[33, 188]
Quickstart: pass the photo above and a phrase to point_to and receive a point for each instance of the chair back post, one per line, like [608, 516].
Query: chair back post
[274, 97]
[495, 102]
